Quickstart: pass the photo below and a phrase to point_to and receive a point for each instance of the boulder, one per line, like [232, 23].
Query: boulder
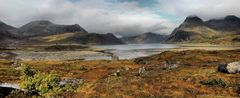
[232, 68]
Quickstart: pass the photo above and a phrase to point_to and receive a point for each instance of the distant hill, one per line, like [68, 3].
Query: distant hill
[148, 37]
[46, 28]
[90, 38]
[195, 30]
[44, 32]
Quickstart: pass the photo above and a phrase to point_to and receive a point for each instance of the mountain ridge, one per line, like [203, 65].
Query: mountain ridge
[45, 28]
[193, 29]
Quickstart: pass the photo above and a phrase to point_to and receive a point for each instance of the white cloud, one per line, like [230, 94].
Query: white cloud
[99, 16]
[206, 9]
[124, 18]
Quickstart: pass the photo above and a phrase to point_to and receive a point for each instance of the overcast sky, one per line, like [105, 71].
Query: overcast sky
[123, 17]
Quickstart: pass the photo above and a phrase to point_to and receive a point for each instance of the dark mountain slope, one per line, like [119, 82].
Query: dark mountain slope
[8, 34]
[46, 28]
[230, 24]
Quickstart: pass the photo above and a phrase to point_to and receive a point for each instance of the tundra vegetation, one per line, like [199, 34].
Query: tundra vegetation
[196, 75]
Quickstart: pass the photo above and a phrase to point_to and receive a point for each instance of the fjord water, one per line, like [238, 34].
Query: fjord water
[129, 51]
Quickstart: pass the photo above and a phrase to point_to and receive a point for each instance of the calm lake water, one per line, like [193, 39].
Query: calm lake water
[130, 51]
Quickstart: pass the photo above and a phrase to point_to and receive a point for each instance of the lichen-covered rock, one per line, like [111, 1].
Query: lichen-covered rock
[233, 67]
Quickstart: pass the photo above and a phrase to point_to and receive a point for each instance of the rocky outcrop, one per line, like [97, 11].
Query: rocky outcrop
[148, 37]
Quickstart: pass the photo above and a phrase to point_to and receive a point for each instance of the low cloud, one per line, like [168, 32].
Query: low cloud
[206, 9]
[123, 17]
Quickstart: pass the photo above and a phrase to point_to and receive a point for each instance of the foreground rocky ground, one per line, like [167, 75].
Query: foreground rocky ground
[190, 73]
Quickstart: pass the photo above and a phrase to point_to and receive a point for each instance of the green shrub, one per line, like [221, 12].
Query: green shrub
[39, 84]
[216, 82]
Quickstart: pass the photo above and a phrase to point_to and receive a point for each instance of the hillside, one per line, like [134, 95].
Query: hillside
[229, 24]
[79, 38]
[148, 37]
[45, 28]
[46, 32]
[195, 30]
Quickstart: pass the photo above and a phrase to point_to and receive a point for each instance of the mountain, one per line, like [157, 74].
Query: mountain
[8, 34]
[148, 37]
[102, 39]
[44, 31]
[215, 31]
[230, 24]
[46, 28]
[79, 38]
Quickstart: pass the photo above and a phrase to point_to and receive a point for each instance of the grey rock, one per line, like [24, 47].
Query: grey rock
[233, 67]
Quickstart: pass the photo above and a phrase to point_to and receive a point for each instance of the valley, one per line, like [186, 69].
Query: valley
[46, 59]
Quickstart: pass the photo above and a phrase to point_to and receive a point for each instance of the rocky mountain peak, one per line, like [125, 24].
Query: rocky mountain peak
[45, 28]
[193, 19]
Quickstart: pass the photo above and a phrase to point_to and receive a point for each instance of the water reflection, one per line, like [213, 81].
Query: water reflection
[133, 50]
